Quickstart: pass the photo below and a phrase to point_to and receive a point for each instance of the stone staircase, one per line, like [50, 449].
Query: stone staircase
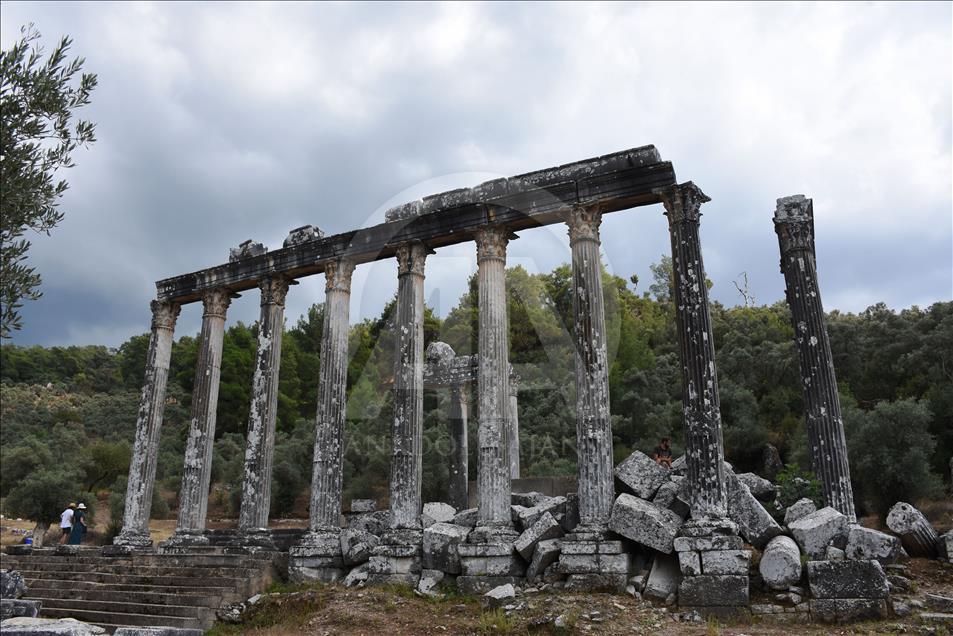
[142, 590]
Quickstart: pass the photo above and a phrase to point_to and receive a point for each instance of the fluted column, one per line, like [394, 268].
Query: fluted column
[593, 424]
[327, 475]
[794, 224]
[459, 469]
[407, 433]
[196, 474]
[145, 451]
[704, 452]
[260, 447]
[493, 380]
[513, 429]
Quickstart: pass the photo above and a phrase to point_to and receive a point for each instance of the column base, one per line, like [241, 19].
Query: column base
[128, 542]
[256, 538]
[594, 563]
[713, 566]
[316, 557]
[398, 558]
[499, 534]
[184, 539]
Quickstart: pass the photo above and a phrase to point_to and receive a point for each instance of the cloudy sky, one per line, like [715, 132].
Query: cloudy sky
[218, 122]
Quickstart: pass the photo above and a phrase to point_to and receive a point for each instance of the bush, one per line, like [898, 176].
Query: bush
[794, 484]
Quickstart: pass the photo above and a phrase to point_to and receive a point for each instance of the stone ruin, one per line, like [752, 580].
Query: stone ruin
[677, 536]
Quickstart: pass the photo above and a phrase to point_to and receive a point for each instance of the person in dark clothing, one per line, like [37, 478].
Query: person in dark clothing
[79, 525]
[663, 453]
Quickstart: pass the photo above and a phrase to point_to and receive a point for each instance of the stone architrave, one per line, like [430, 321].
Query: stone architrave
[260, 446]
[704, 451]
[407, 451]
[593, 424]
[326, 477]
[197, 471]
[459, 469]
[493, 381]
[794, 224]
[142, 468]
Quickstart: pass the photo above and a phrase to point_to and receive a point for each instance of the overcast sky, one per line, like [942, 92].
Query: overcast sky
[217, 123]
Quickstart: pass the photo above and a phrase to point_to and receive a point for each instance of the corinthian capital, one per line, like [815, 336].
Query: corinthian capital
[273, 290]
[216, 302]
[164, 314]
[584, 222]
[411, 258]
[794, 223]
[682, 202]
[338, 275]
[491, 242]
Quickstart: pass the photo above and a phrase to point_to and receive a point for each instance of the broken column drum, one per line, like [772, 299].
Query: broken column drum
[704, 452]
[794, 224]
[260, 445]
[407, 452]
[197, 470]
[142, 469]
[593, 423]
[493, 470]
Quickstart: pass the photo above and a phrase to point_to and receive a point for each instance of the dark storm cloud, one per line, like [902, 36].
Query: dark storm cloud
[218, 123]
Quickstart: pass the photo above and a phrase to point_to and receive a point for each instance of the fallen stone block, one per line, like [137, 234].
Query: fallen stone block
[758, 486]
[864, 544]
[437, 512]
[710, 590]
[917, 535]
[12, 585]
[570, 516]
[945, 546]
[356, 545]
[936, 617]
[710, 542]
[755, 524]
[545, 554]
[594, 563]
[595, 582]
[641, 475]
[527, 499]
[690, 563]
[10, 607]
[663, 577]
[440, 547]
[466, 517]
[940, 603]
[846, 610]
[429, 581]
[483, 584]
[27, 626]
[815, 531]
[725, 562]
[644, 522]
[357, 576]
[499, 596]
[489, 560]
[553, 505]
[363, 506]
[799, 509]
[679, 466]
[834, 554]
[545, 528]
[847, 579]
[780, 565]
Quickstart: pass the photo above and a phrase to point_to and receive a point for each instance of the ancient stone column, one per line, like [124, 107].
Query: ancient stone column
[327, 475]
[142, 469]
[794, 223]
[407, 433]
[260, 447]
[704, 452]
[196, 474]
[493, 380]
[593, 425]
[513, 429]
[459, 470]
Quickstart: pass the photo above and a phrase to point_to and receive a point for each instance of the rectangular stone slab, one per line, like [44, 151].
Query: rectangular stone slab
[846, 579]
[712, 590]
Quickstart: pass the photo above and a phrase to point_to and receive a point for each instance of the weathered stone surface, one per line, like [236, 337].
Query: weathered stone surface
[814, 532]
[440, 546]
[711, 542]
[490, 559]
[755, 524]
[846, 579]
[157, 631]
[641, 475]
[12, 585]
[569, 517]
[527, 499]
[246, 249]
[466, 517]
[759, 486]
[594, 563]
[663, 577]
[303, 234]
[10, 607]
[798, 510]
[363, 505]
[780, 565]
[482, 584]
[26, 626]
[356, 546]
[375, 522]
[644, 522]
[713, 591]
[864, 544]
[939, 602]
[429, 581]
[917, 535]
[945, 546]
[690, 563]
[595, 582]
[545, 528]
[499, 596]
[552, 505]
[725, 561]
[437, 512]
[846, 610]
[834, 554]
[357, 576]
[545, 554]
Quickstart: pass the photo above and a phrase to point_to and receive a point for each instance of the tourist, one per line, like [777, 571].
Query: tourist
[66, 522]
[663, 453]
[79, 525]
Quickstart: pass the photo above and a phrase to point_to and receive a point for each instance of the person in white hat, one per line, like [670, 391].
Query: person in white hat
[79, 525]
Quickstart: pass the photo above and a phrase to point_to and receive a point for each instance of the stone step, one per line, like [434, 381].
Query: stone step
[134, 620]
[167, 596]
[198, 560]
[146, 570]
[183, 590]
[117, 608]
[221, 581]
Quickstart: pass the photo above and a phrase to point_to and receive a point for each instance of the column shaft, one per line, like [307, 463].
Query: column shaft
[459, 468]
[513, 432]
[407, 433]
[142, 468]
[196, 474]
[794, 224]
[260, 447]
[493, 378]
[593, 424]
[704, 452]
[327, 475]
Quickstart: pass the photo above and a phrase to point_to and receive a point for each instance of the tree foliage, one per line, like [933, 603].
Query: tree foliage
[38, 97]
